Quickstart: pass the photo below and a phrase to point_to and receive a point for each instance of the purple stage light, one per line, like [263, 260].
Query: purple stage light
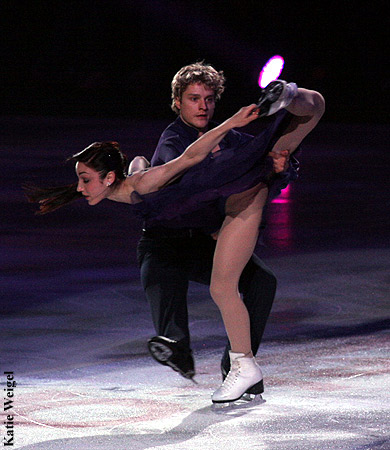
[271, 71]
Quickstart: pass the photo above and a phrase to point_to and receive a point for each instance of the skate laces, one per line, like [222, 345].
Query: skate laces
[232, 376]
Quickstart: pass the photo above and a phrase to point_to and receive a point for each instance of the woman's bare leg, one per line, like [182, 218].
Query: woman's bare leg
[236, 242]
[307, 107]
[238, 235]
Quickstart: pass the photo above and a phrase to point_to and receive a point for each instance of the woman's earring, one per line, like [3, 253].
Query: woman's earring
[108, 184]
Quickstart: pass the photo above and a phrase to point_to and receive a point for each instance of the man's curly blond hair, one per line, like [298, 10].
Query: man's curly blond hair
[196, 73]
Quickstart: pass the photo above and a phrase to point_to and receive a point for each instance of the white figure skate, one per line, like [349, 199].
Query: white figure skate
[243, 380]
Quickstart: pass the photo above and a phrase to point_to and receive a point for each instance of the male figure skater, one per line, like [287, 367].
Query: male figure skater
[171, 257]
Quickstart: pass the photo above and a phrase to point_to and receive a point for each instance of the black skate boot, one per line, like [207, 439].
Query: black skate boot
[173, 354]
[277, 95]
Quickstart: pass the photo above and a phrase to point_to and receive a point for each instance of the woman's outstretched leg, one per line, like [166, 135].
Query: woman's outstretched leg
[307, 107]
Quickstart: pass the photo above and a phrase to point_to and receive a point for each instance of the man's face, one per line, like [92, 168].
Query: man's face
[196, 105]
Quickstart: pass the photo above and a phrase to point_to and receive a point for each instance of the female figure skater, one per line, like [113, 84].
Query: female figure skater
[240, 176]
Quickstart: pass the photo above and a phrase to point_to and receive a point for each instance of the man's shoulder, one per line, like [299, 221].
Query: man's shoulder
[172, 143]
[178, 128]
[179, 134]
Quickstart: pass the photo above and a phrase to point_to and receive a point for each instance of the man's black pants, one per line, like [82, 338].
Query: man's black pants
[169, 259]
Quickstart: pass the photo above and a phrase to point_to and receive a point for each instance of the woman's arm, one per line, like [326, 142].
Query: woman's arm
[157, 177]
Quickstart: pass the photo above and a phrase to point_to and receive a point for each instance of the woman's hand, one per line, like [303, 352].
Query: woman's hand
[244, 116]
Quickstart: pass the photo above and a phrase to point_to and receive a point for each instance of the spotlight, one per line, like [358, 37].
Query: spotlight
[271, 71]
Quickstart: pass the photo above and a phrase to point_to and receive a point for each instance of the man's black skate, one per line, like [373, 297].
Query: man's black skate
[275, 96]
[173, 354]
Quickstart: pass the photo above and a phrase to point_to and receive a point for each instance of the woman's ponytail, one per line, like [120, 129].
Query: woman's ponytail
[51, 198]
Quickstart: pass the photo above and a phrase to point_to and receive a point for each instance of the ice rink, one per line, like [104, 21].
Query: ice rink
[75, 320]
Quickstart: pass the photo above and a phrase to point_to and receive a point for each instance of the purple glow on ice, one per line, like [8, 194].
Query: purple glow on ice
[271, 71]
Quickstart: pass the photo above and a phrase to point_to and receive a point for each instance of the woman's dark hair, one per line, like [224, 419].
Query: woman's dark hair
[103, 157]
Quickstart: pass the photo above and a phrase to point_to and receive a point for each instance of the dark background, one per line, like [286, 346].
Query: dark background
[73, 72]
[117, 58]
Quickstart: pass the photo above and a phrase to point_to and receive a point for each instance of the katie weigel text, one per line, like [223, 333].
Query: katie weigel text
[8, 440]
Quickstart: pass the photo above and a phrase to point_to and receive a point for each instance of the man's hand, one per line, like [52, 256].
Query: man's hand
[138, 163]
[281, 160]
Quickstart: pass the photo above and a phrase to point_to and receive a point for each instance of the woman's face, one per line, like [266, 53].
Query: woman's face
[93, 188]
